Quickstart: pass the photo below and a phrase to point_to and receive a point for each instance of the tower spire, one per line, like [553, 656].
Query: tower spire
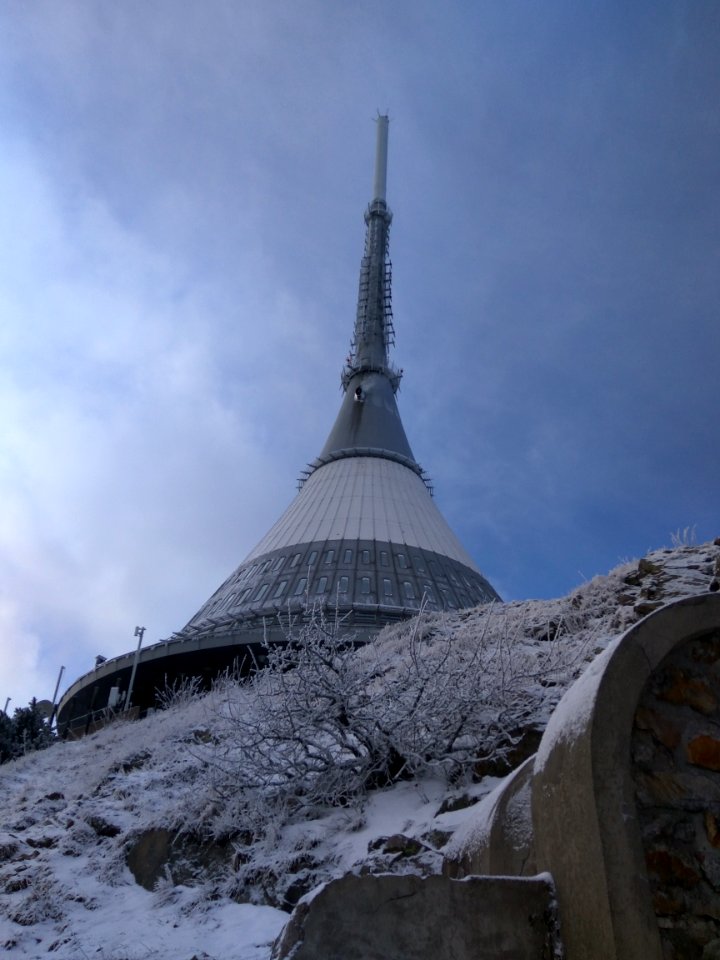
[368, 422]
[373, 333]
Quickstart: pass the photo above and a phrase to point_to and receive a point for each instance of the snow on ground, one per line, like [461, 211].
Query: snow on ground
[71, 813]
[69, 894]
[67, 890]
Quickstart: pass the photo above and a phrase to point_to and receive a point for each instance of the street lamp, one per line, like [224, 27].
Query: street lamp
[54, 699]
[139, 632]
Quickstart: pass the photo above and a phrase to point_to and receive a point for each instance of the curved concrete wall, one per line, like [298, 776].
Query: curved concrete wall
[585, 817]
[624, 793]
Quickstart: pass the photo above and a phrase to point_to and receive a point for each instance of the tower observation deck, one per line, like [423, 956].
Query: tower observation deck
[363, 535]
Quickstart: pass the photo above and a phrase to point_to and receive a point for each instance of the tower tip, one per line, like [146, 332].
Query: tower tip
[381, 145]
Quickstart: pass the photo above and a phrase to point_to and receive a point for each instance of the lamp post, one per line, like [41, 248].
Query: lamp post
[54, 699]
[139, 632]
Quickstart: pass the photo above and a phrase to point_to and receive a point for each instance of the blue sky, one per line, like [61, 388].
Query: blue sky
[182, 189]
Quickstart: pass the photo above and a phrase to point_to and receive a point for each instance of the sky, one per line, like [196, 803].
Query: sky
[182, 186]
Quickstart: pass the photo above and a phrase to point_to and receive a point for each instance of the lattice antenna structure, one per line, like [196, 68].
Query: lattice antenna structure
[374, 334]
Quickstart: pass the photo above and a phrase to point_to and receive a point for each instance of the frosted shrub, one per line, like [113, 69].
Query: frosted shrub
[178, 693]
[323, 722]
[685, 537]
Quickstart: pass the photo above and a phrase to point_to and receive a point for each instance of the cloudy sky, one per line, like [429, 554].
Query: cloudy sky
[182, 185]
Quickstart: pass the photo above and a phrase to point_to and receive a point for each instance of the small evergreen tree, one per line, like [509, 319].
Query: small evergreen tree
[27, 730]
[7, 738]
[32, 730]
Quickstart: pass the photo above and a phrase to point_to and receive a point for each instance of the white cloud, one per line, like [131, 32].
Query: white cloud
[21, 670]
[120, 449]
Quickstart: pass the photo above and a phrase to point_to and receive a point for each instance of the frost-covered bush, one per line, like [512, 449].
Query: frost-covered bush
[324, 722]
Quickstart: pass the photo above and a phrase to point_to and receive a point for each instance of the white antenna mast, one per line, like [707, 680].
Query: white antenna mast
[381, 150]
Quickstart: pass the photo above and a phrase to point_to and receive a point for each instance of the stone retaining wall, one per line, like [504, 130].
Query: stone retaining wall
[676, 768]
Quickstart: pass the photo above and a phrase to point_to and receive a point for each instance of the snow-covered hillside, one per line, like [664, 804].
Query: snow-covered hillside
[142, 841]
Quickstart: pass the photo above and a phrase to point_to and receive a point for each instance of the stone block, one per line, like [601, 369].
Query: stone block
[666, 905]
[664, 730]
[671, 869]
[643, 607]
[704, 751]
[413, 918]
[682, 689]
[707, 650]
[684, 790]
[711, 950]
[712, 829]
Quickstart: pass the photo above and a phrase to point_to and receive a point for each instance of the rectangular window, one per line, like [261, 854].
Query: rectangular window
[312, 558]
[262, 590]
[245, 594]
[447, 600]
[347, 556]
[329, 556]
[402, 561]
[279, 589]
[279, 564]
[409, 591]
[383, 558]
[300, 588]
[322, 585]
[387, 587]
[343, 585]
[364, 584]
[229, 600]
[366, 556]
[419, 563]
[296, 560]
[428, 590]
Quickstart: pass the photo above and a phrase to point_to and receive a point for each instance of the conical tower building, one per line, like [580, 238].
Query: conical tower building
[363, 536]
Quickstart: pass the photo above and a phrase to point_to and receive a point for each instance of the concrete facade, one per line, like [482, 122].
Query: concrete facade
[499, 839]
